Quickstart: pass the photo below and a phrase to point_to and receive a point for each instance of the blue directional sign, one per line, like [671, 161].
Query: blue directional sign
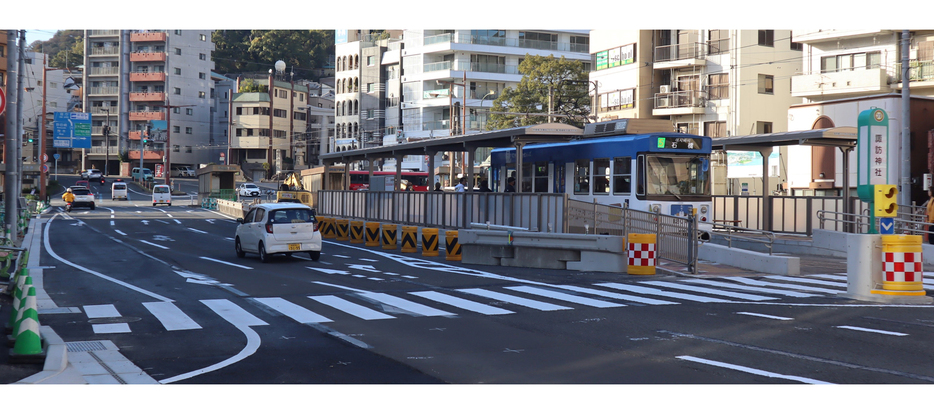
[72, 130]
[886, 225]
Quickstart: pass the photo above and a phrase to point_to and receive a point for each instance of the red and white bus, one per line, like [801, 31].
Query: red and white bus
[418, 181]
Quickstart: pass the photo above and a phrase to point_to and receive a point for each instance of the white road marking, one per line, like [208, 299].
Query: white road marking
[111, 222]
[297, 313]
[620, 296]
[153, 244]
[717, 292]
[856, 328]
[120, 232]
[177, 221]
[110, 328]
[227, 263]
[365, 268]
[529, 303]
[341, 256]
[802, 279]
[565, 297]
[368, 260]
[659, 292]
[101, 311]
[329, 271]
[233, 313]
[196, 230]
[407, 305]
[761, 315]
[751, 288]
[350, 308]
[785, 285]
[751, 370]
[171, 317]
[465, 304]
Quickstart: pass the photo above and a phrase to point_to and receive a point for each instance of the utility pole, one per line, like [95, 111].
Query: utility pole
[106, 142]
[12, 175]
[905, 175]
[168, 139]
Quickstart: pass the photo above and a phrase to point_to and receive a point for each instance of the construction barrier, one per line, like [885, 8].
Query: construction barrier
[389, 236]
[327, 227]
[342, 227]
[641, 254]
[371, 234]
[452, 249]
[356, 232]
[902, 265]
[429, 242]
[409, 239]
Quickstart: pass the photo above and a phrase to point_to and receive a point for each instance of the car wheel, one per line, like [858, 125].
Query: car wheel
[170, 204]
[263, 256]
[153, 204]
[238, 248]
[315, 255]
[92, 206]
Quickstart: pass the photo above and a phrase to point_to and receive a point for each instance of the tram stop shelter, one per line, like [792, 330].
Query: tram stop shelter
[843, 138]
[513, 137]
[218, 181]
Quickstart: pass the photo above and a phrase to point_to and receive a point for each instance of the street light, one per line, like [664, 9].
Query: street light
[490, 93]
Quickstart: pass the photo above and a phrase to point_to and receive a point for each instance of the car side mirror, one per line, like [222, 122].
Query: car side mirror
[314, 212]
[239, 221]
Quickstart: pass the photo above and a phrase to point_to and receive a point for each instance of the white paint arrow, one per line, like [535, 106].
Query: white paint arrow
[199, 279]
[366, 268]
[330, 271]
[162, 238]
[146, 222]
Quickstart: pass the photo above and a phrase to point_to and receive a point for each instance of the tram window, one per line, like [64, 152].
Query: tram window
[540, 177]
[582, 177]
[622, 175]
[526, 185]
[601, 176]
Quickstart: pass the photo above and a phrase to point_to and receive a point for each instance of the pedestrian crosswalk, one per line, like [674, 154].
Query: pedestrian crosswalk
[346, 303]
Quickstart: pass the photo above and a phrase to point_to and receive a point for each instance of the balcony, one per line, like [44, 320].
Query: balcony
[100, 110]
[147, 57]
[147, 96]
[109, 33]
[104, 90]
[147, 116]
[147, 155]
[148, 37]
[134, 135]
[105, 51]
[102, 149]
[104, 71]
[680, 56]
[822, 35]
[920, 73]
[679, 103]
[249, 142]
[840, 84]
[147, 76]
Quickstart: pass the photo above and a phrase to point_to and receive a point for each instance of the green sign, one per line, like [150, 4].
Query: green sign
[603, 59]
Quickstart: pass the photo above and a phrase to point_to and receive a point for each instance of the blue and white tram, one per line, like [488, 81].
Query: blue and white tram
[667, 173]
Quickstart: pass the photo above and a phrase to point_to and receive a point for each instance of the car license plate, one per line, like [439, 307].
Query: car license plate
[295, 246]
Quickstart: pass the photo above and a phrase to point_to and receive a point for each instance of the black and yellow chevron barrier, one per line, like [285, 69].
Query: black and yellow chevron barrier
[326, 227]
[389, 236]
[371, 234]
[356, 232]
[343, 229]
[429, 242]
[409, 239]
[452, 248]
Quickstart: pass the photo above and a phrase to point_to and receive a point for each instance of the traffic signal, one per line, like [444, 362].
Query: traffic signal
[885, 204]
[148, 132]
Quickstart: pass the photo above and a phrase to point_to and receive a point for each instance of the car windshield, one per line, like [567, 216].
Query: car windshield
[80, 191]
[119, 186]
[160, 189]
[292, 215]
[250, 186]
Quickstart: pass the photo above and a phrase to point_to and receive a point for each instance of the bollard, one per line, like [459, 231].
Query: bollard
[409, 237]
[356, 232]
[902, 263]
[371, 235]
[452, 248]
[343, 228]
[429, 242]
[641, 254]
[389, 236]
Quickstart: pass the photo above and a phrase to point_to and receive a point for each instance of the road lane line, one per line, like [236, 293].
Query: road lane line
[709, 291]
[153, 244]
[762, 315]
[856, 328]
[120, 232]
[751, 370]
[297, 313]
[407, 305]
[351, 308]
[620, 296]
[195, 230]
[171, 317]
[659, 292]
[226, 263]
[565, 297]
[529, 303]
[101, 311]
[465, 304]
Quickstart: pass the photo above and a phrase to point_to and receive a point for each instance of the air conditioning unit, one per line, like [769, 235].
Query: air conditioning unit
[662, 102]
[664, 89]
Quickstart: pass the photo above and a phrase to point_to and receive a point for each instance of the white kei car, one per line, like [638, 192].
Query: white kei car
[273, 228]
[248, 189]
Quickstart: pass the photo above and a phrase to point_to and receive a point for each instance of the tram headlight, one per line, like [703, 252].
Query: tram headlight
[703, 209]
[655, 208]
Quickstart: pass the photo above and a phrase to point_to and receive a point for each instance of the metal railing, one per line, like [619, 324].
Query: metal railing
[680, 51]
[909, 220]
[789, 214]
[741, 233]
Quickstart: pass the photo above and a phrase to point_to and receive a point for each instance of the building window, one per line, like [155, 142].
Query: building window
[239, 111]
[176, 110]
[202, 56]
[719, 41]
[178, 32]
[718, 86]
[177, 91]
[204, 38]
[201, 94]
[239, 132]
[371, 60]
[178, 51]
[582, 177]
[763, 127]
[767, 38]
[189, 111]
[601, 176]
[188, 149]
[175, 148]
[178, 71]
[201, 75]
[622, 175]
[176, 129]
[279, 113]
[715, 129]
[371, 87]
[766, 84]
[799, 47]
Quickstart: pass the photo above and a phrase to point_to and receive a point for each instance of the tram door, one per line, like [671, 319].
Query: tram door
[559, 170]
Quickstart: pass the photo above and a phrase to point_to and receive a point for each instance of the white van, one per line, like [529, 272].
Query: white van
[118, 190]
[161, 194]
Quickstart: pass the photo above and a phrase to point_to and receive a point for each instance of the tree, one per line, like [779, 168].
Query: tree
[241, 51]
[565, 81]
[249, 85]
[63, 45]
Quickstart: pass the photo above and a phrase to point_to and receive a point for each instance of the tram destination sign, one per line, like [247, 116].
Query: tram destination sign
[679, 143]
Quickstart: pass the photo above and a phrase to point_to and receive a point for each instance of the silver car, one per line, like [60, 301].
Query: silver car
[286, 228]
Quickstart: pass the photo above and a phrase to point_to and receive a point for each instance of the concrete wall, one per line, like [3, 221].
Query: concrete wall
[750, 260]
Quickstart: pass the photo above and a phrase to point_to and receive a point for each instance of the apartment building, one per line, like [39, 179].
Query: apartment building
[58, 94]
[266, 126]
[135, 77]
[3, 58]
[846, 72]
[320, 126]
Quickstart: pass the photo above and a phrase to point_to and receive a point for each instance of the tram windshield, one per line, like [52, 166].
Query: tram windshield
[671, 174]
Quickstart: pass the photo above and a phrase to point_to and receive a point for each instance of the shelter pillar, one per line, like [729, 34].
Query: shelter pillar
[398, 184]
[469, 160]
[431, 169]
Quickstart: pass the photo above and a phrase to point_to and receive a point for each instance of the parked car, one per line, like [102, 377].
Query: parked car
[146, 174]
[83, 197]
[272, 228]
[184, 172]
[248, 190]
[161, 194]
[118, 190]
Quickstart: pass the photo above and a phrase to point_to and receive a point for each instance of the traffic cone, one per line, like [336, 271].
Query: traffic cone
[28, 303]
[19, 294]
[28, 346]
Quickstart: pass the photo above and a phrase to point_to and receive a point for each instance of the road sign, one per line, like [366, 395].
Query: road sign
[56, 156]
[2, 101]
[45, 168]
[886, 225]
[72, 130]
[45, 157]
[872, 150]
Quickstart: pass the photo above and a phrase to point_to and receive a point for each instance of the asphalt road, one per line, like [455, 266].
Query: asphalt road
[165, 286]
